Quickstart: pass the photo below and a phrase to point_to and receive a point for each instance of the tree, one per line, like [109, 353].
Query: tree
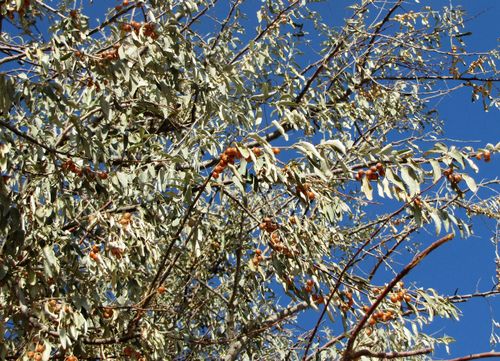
[183, 179]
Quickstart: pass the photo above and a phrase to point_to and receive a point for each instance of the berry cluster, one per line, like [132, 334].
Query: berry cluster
[305, 189]
[37, 354]
[94, 252]
[268, 225]
[485, 154]
[257, 258]
[69, 165]
[111, 54]
[454, 178]
[371, 173]
[125, 219]
[107, 313]
[380, 316]
[347, 305]
[278, 245]
[228, 157]
[318, 298]
[232, 153]
[309, 286]
[149, 29]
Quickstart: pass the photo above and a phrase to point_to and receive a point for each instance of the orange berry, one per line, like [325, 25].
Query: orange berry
[231, 152]
[37, 357]
[215, 175]
[219, 169]
[102, 175]
[128, 351]
[368, 331]
[371, 175]
[125, 2]
[373, 169]
[457, 178]
[359, 175]
[487, 155]
[372, 321]
[94, 256]
[108, 313]
[366, 308]
[30, 354]
[136, 25]
[161, 289]
[96, 248]
[257, 151]
[258, 252]
[394, 299]
[127, 28]
[407, 298]
[310, 283]
[311, 196]
[276, 151]
[479, 156]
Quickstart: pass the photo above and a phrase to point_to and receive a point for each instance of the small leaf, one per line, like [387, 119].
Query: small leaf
[336, 144]
[436, 170]
[470, 182]
[367, 188]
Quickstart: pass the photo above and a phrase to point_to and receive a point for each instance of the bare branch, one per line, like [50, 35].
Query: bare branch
[476, 356]
[390, 355]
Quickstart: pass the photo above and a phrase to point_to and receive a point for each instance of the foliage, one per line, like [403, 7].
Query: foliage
[183, 179]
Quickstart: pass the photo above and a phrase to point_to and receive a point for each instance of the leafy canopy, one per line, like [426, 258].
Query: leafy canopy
[183, 179]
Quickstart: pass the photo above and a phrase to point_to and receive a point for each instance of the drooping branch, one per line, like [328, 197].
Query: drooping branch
[391, 355]
[414, 262]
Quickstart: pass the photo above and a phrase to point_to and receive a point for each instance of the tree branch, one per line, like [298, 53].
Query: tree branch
[476, 356]
[390, 355]
[414, 262]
